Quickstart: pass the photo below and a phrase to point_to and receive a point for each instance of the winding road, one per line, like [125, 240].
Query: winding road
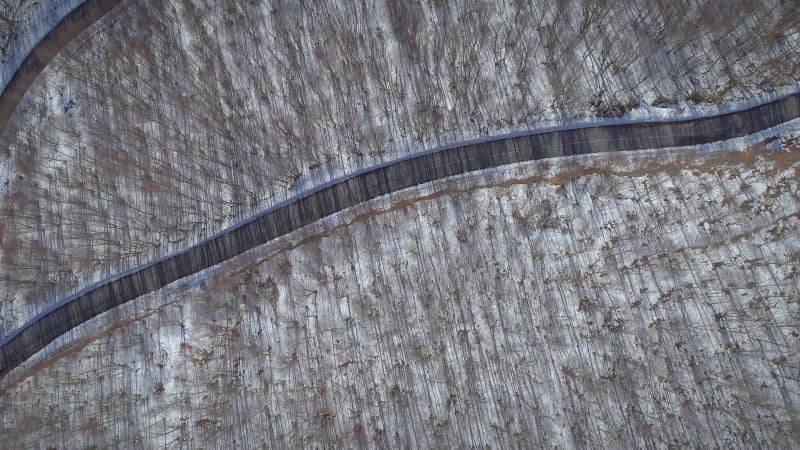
[73, 24]
[339, 194]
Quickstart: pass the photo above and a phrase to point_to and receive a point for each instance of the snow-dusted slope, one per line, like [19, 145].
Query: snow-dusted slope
[177, 118]
[352, 189]
[599, 302]
[23, 23]
[615, 301]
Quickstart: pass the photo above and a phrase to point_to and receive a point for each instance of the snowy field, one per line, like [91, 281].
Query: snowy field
[172, 120]
[607, 301]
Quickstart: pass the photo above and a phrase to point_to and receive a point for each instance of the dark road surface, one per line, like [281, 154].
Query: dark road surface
[83, 16]
[363, 186]
[342, 193]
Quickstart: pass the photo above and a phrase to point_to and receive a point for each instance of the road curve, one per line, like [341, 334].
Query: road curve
[339, 194]
[74, 23]
[368, 184]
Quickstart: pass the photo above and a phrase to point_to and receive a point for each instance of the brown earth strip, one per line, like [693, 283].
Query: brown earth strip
[360, 187]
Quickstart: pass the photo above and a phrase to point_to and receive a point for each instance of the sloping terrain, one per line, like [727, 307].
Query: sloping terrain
[639, 300]
[171, 120]
[645, 300]
[23, 23]
[52, 43]
[343, 193]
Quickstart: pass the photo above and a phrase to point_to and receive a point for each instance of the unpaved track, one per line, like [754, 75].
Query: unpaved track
[342, 193]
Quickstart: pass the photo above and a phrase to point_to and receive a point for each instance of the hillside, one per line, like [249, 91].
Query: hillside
[23, 23]
[624, 301]
[639, 300]
[175, 119]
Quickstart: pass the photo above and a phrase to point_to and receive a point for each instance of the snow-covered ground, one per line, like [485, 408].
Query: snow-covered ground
[618, 300]
[639, 300]
[174, 120]
[23, 23]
